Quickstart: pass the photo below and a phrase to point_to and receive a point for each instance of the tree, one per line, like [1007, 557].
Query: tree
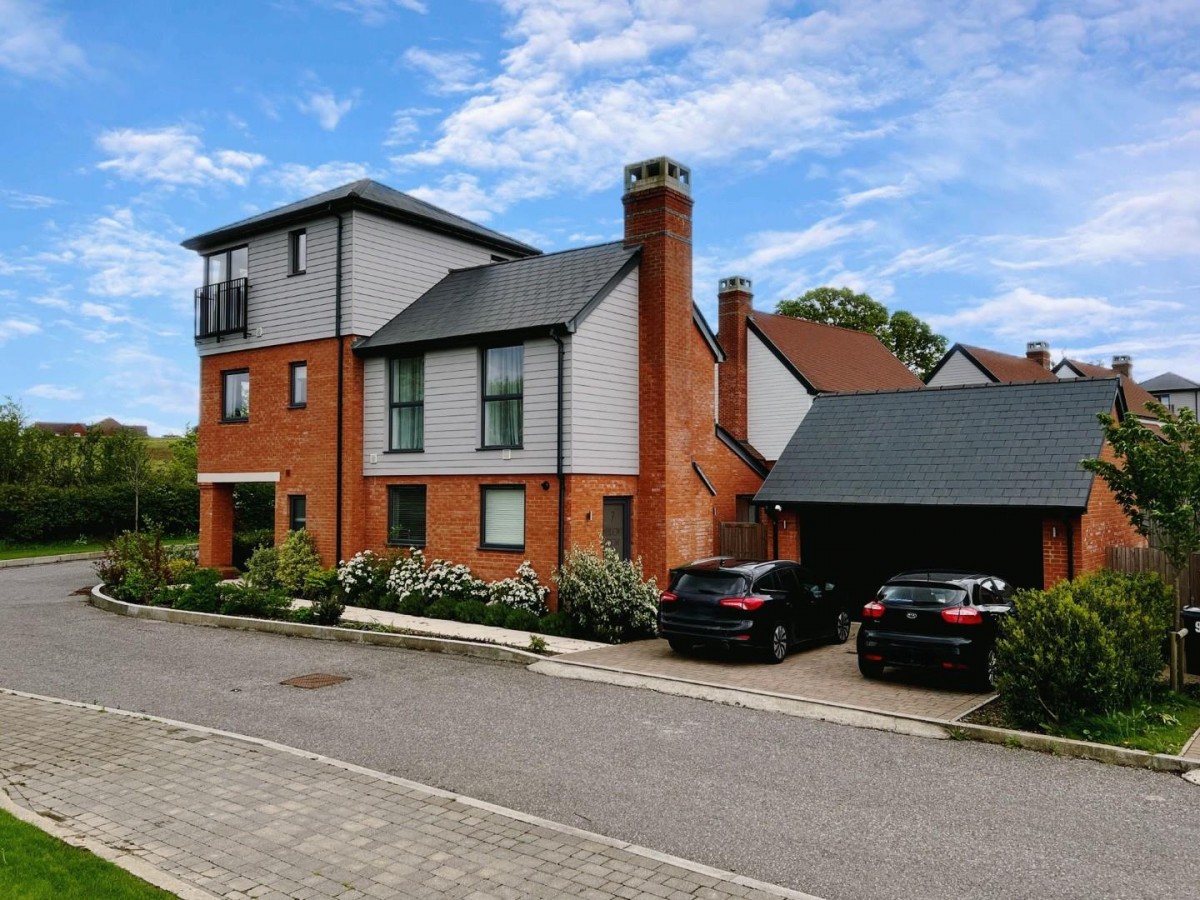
[910, 339]
[129, 461]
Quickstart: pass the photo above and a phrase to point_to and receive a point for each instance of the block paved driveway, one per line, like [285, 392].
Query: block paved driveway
[824, 672]
[240, 819]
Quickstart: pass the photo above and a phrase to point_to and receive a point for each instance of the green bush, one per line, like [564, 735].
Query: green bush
[135, 566]
[179, 571]
[495, 614]
[364, 580]
[521, 620]
[414, 604]
[244, 600]
[298, 559]
[202, 594]
[472, 611]
[328, 610]
[262, 568]
[321, 585]
[443, 608]
[555, 623]
[605, 597]
[246, 542]
[1092, 645]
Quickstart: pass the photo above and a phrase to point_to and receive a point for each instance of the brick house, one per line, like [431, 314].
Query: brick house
[419, 379]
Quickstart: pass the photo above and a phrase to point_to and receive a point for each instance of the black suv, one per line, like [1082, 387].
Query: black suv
[766, 605]
[939, 619]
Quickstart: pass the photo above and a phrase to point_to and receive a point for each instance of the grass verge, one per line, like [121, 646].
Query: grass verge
[55, 548]
[36, 866]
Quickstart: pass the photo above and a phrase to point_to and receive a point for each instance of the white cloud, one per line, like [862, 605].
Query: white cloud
[21, 200]
[102, 312]
[326, 108]
[452, 73]
[376, 12]
[173, 155]
[885, 192]
[141, 377]
[771, 247]
[34, 45]
[54, 392]
[11, 328]
[925, 259]
[51, 301]
[302, 181]
[460, 194]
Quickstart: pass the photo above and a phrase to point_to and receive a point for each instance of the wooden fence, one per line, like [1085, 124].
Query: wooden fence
[744, 540]
[1147, 559]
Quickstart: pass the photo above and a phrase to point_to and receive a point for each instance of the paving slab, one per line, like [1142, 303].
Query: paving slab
[241, 817]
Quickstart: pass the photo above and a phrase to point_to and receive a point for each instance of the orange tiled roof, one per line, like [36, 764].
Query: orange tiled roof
[1006, 367]
[1135, 395]
[832, 358]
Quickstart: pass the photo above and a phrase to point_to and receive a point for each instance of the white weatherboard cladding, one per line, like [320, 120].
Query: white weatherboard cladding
[395, 263]
[776, 401]
[603, 419]
[958, 370]
[452, 417]
[283, 309]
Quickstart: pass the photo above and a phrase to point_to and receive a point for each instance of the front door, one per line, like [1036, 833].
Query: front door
[616, 524]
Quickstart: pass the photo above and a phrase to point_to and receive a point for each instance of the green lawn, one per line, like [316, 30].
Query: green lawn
[54, 548]
[36, 866]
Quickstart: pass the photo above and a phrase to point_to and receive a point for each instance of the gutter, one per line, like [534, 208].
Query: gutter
[562, 483]
[341, 387]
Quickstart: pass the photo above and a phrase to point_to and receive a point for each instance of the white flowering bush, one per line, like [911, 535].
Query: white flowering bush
[605, 597]
[363, 581]
[523, 592]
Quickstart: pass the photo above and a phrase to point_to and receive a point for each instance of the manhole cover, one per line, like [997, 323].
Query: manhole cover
[316, 680]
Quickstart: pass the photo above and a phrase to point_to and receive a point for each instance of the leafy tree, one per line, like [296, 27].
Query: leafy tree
[128, 461]
[909, 338]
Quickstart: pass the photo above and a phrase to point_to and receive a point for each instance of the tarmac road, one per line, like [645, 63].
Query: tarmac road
[837, 812]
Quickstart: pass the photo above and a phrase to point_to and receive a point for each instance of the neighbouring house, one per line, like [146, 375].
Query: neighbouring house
[1174, 391]
[77, 429]
[422, 381]
[62, 429]
[776, 365]
[1136, 395]
[964, 364]
[975, 476]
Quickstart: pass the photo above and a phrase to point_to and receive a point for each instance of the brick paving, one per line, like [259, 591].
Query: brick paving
[242, 819]
[827, 673]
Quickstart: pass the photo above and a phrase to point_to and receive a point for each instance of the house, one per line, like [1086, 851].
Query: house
[76, 429]
[1122, 367]
[776, 365]
[984, 476]
[62, 429]
[1174, 392]
[964, 364]
[420, 380]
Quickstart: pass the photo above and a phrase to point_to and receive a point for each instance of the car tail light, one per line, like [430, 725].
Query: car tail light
[962, 615]
[667, 597]
[747, 603]
[873, 657]
[874, 610]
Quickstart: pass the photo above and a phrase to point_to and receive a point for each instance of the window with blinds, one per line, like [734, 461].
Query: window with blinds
[503, 516]
[406, 515]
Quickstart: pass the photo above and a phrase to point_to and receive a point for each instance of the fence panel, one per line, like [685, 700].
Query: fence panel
[744, 540]
[1147, 559]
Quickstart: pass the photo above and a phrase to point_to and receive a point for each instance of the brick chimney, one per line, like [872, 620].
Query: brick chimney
[1123, 366]
[1039, 352]
[734, 305]
[658, 217]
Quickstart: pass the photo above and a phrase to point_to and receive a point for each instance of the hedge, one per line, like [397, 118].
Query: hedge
[41, 513]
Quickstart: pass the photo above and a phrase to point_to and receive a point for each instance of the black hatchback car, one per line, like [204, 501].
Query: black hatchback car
[769, 606]
[945, 620]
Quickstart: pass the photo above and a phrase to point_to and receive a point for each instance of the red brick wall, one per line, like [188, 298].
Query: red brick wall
[734, 307]
[1105, 524]
[216, 525]
[1054, 549]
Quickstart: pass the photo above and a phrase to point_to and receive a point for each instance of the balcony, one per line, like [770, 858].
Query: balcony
[221, 309]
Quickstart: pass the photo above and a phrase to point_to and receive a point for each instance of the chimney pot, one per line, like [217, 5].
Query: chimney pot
[662, 171]
[1123, 365]
[738, 283]
[1039, 352]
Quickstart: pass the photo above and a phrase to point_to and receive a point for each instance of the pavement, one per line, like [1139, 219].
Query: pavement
[240, 818]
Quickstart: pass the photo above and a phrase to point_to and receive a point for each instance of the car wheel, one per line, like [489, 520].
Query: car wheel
[679, 645]
[841, 630]
[870, 668]
[777, 647]
[987, 674]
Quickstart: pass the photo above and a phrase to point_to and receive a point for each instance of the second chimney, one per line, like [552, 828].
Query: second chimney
[1039, 352]
[1123, 366]
[734, 306]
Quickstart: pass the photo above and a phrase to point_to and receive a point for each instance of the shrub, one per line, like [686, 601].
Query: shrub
[246, 542]
[244, 600]
[407, 577]
[555, 623]
[321, 585]
[364, 581]
[328, 609]
[135, 566]
[472, 611]
[521, 620]
[179, 571]
[522, 592]
[202, 594]
[262, 568]
[453, 582]
[298, 559]
[413, 604]
[605, 597]
[495, 614]
[443, 608]
[1092, 645]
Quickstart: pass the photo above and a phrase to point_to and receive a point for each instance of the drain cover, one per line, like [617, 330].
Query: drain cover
[316, 680]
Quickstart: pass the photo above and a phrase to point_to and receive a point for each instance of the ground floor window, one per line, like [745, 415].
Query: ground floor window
[616, 524]
[297, 512]
[406, 515]
[502, 516]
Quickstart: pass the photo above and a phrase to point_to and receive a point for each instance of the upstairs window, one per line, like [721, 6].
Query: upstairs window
[228, 265]
[406, 426]
[503, 396]
[298, 252]
[235, 404]
[297, 384]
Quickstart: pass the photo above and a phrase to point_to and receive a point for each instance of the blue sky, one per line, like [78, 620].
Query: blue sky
[1009, 170]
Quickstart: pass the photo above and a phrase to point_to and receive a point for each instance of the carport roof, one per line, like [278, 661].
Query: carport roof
[1011, 445]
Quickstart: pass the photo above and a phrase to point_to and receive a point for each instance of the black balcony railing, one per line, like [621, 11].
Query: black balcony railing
[221, 308]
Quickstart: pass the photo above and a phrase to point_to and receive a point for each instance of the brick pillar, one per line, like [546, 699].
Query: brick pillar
[734, 302]
[658, 217]
[216, 525]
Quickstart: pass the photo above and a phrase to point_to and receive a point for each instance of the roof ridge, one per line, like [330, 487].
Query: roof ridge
[846, 328]
[526, 259]
[973, 387]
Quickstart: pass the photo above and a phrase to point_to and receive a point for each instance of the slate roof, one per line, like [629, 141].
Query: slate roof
[1007, 445]
[366, 194]
[1169, 381]
[1135, 394]
[1005, 366]
[517, 296]
[832, 358]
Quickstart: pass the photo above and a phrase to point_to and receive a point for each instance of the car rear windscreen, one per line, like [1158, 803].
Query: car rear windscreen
[922, 594]
[724, 584]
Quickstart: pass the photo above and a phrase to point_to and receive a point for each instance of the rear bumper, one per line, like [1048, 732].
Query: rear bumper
[898, 649]
[731, 631]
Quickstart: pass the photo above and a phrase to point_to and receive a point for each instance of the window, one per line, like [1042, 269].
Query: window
[406, 401]
[406, 515]
[503, 390]
[503, 516]
[297, 512]
[298, 252]
[298, 384]
[227, 265]
[235, 405]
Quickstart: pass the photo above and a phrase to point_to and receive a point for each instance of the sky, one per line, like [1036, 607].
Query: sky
[1008, 170]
